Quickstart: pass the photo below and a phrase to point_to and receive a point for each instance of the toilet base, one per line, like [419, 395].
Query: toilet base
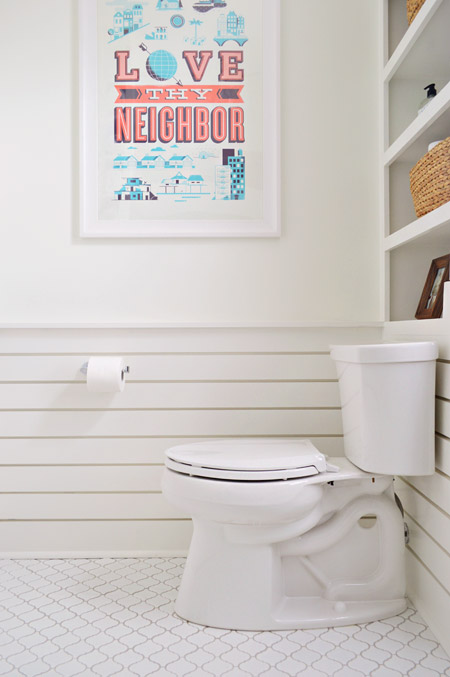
[290, 555]
[233, 581]
[311, 612]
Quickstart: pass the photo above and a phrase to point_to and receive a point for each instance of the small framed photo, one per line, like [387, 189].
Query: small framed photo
[431, 301]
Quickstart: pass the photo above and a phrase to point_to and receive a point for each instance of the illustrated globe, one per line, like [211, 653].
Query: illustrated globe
[161, 65]
[177, 21]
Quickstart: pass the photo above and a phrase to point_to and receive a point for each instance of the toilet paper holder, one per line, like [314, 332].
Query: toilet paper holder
[84, 368]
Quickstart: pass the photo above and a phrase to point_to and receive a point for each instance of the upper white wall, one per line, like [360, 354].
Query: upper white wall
[324, 267]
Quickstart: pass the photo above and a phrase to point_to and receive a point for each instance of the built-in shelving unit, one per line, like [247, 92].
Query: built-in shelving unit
[412, 57]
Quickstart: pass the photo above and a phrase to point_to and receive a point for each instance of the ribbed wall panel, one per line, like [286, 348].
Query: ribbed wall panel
[427, 499]
[80, 472]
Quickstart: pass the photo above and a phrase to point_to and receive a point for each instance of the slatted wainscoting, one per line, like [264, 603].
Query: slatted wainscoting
[81, 472]
[427, 499]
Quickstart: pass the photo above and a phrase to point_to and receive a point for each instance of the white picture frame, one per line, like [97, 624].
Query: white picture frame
[95, 225]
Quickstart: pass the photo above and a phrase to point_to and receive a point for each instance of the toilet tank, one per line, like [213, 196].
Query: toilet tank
[387, 396]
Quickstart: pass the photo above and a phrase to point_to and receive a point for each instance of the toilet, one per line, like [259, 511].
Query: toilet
[285, 537]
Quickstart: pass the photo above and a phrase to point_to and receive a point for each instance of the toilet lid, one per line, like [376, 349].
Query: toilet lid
[248, 459]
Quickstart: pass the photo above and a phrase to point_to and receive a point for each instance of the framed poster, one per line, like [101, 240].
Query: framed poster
[179, 118]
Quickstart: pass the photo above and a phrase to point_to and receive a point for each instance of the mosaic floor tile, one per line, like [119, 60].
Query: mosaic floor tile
[115, 617]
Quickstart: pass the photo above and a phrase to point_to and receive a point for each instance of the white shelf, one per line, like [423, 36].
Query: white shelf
[422, 56]
[432, 124]
[398, 65]
[423, 51]
[433, 225]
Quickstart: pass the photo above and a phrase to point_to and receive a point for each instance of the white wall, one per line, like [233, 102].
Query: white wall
[324, 267]
[81, 474]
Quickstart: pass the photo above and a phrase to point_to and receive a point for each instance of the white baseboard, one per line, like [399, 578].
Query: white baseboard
[93, 554]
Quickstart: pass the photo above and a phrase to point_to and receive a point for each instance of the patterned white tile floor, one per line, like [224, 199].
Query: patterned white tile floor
[115, 617]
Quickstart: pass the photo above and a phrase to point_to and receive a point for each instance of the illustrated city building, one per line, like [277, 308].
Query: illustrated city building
[127, 21]
[230, 27]
[153, 162]
[223, 182]
[180, 185]
[135, 189]
[230, 176]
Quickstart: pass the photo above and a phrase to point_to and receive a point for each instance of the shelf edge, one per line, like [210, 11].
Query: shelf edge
[411, 36]
[426, 224]
[437, 326]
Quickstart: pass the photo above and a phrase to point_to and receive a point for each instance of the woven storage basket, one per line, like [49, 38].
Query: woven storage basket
[430, 179]
[412, 7]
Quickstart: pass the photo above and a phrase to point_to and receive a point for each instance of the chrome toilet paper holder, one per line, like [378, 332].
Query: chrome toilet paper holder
[84, 368]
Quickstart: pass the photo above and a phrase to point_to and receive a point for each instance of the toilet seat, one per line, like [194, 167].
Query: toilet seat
[249, 460]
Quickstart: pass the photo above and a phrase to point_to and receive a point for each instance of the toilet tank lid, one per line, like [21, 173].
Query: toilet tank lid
[422, 351]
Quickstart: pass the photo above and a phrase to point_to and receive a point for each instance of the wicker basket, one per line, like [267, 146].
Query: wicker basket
[430, 179]
[412, 7]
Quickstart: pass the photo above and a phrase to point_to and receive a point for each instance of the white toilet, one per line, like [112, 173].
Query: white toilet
[284, 537]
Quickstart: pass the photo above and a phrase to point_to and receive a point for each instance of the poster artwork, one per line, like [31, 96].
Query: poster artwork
[180, 99]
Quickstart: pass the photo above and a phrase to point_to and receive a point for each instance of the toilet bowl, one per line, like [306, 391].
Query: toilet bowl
[285, 537]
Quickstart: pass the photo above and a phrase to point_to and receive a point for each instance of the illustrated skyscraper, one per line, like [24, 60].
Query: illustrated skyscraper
[237, 166]
[230, 176]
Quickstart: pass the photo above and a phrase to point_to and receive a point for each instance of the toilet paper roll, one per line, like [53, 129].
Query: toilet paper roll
[105, 375]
